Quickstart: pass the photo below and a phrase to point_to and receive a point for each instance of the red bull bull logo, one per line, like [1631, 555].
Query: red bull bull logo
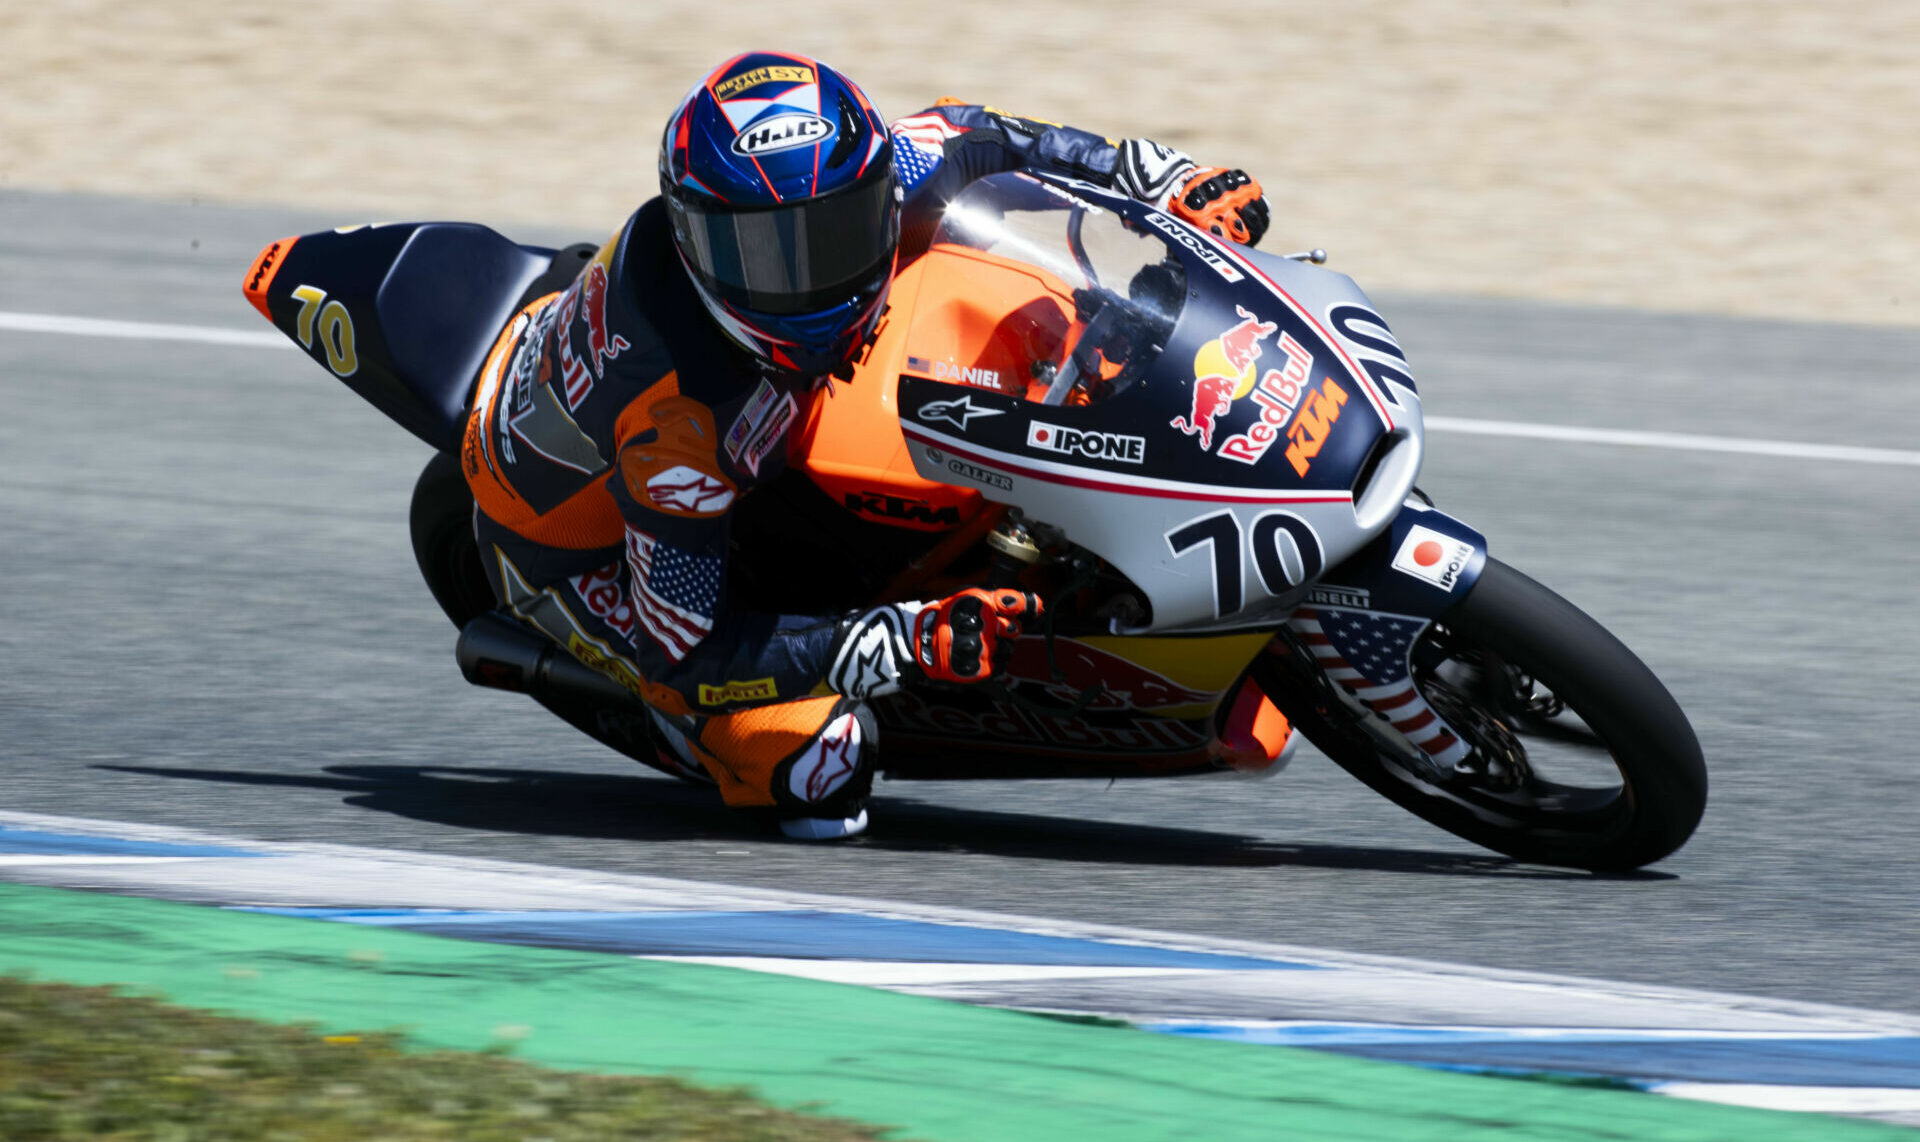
[1222, 373]
[593, 307]
[1277, 394]
[1124, 684]
[586, 299]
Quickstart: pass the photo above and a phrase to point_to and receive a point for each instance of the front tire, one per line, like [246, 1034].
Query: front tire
[1504, 667]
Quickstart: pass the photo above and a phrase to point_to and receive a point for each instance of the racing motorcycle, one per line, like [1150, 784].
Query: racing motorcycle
[1203, 457]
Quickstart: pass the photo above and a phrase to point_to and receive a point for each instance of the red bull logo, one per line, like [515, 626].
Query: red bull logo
[1223, 372]
[1277, 394]
[593, 307]
[1124, 684]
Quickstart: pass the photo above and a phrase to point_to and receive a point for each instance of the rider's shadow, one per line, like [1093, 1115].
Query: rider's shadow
[641, 809]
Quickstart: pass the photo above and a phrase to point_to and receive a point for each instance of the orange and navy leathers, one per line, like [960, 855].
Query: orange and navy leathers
[614, 427]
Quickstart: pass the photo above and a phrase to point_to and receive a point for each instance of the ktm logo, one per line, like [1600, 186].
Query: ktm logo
[1314, 424]
[899, 507]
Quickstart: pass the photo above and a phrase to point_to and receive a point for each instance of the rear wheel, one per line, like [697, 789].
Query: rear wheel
[441, 522]
[1580, 757]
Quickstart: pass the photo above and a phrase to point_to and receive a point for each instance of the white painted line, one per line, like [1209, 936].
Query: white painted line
[35, 860]
[1679, 441]
[1872, 1101]
[139, 330]
[1685, 442]
[1385, 1033]
[902, 973]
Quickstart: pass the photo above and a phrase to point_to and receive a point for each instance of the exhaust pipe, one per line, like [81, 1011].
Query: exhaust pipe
[500, 654]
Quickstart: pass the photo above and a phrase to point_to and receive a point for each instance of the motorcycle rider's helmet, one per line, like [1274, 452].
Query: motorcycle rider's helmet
[778, 177]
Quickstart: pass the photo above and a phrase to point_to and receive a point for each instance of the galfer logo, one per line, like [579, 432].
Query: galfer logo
[956, 412]
[1433, 556]
[977, 474]
[783, 132]
[1194, 243]
[1088, 443]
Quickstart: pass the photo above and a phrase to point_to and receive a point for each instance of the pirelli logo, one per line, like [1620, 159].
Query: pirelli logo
[727, 88]
[730, 693]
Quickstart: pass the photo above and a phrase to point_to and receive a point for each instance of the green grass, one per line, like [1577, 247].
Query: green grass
[91, 1063]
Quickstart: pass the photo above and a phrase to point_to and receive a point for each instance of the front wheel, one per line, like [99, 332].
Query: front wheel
[1579, 756]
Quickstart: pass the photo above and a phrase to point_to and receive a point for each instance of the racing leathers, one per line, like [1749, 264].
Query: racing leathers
[615, 425]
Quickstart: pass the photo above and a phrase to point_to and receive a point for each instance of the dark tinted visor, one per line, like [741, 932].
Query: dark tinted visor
[792, 259]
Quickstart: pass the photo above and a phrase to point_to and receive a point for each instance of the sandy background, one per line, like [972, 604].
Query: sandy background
[1742, 156]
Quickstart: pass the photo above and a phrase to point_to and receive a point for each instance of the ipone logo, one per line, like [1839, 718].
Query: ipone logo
[783, 132]
[1433, 556]
[1084, 442]
[1195, 244]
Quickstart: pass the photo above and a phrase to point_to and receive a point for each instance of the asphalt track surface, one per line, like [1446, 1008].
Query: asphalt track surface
[212, 619]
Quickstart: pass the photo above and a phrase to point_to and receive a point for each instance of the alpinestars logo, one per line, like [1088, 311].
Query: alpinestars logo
[957, 412]
[873, 652]
[1087, 443]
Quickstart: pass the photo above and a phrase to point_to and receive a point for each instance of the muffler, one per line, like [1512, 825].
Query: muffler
[500, 654]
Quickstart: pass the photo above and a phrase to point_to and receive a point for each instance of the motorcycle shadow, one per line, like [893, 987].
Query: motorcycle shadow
[912, 826]
[642, 809]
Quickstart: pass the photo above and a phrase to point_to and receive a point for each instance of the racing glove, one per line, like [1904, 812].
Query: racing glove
[1227, 202]
[964, 638]
[1230, 203]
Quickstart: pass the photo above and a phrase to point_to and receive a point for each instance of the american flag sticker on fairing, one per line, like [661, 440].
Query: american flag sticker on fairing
[1366, 651]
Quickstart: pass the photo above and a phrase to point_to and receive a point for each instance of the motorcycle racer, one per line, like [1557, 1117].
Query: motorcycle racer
[618, 421]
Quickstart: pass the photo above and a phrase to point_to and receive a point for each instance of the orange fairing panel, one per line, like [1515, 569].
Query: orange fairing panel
[986, 320]
[959, 315]
[850, 443]
[260, 274]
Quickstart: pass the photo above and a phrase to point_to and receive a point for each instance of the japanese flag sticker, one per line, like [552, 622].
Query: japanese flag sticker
[1433, 556]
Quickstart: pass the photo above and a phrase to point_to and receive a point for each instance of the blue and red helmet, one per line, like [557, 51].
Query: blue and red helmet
[778, 176]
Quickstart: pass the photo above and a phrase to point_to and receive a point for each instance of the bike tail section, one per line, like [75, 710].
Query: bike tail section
[401, 313]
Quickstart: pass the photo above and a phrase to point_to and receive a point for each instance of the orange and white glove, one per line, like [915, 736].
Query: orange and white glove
[968, 637]
[1226, 202]
[1229, 203]
[963, 638]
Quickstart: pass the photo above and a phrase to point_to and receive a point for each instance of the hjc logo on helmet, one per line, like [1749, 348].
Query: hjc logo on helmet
[782, 132]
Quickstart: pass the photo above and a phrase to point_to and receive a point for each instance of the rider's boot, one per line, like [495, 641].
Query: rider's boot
[808, 764]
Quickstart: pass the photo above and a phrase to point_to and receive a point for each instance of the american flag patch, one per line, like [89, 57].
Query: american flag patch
[913, 160]
[1368, 651]
[675, 592]
[928, 131]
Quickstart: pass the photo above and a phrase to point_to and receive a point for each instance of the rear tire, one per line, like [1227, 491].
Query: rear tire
[441, 521]
[1508, 627]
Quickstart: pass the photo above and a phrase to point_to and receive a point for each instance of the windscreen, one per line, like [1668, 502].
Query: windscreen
[1125, 288]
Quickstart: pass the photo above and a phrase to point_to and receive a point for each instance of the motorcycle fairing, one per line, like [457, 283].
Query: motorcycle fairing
[1153, 712]
[1386, 576]
[1215, 543]
[403, 314]
[1325, 311]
